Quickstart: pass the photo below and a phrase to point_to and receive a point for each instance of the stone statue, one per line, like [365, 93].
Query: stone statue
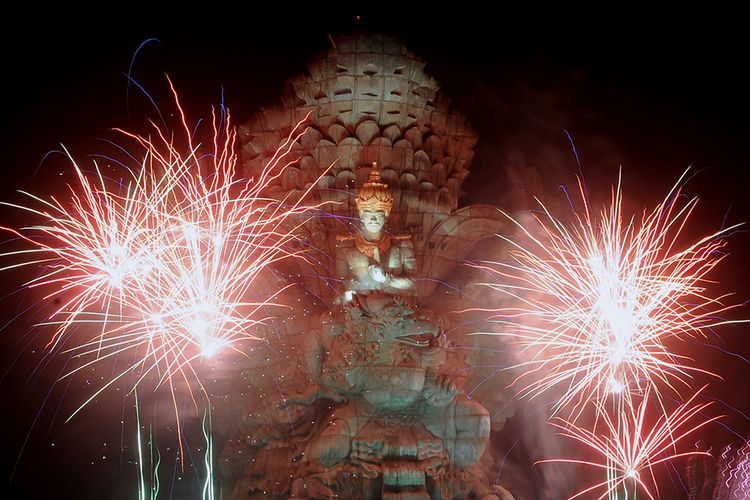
[401, 426]
[368, 401]
[373, 259]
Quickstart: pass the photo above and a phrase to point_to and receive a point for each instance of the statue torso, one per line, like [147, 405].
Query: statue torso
[356, 256]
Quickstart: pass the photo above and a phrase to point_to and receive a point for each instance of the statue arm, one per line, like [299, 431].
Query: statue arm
[343, 270]
[354, 270]
[472, 422]
[409, 260]
[404, 264]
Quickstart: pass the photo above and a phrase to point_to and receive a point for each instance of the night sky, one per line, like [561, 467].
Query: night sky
[652, 94]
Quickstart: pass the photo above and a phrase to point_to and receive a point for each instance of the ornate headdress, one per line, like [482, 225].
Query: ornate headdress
[374, 195]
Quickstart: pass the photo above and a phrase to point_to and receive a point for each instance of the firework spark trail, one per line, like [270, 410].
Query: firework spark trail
[734, 477]
[96, 247]
[599, 300]
[629, 446]
[163, 271]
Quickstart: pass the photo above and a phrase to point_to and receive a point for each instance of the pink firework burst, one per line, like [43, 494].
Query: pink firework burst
[598, 303]
[629, 446]
[166, 272]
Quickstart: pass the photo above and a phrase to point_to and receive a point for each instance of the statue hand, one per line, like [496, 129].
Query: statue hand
[401, 283]
[377, 274]
[347, 296]
[442, 393]
[371, 451]
[430, 449]
[434, 466]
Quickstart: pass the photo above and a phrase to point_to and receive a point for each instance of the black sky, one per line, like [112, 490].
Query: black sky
[651, 93]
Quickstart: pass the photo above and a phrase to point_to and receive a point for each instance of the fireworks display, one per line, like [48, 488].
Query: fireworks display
[161, 269]
[599, 309]
[630, 447]
[154, 272]
[596, 304]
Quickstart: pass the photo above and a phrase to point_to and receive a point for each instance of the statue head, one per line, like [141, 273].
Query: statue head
[373, 221]
[374, 203]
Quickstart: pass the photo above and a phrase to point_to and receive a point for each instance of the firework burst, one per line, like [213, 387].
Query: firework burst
[629, 447]
[597, 303]
[166, 272]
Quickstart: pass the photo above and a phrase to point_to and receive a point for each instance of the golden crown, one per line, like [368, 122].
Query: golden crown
[374, 195]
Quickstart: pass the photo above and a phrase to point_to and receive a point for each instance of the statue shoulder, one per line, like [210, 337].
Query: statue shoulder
[344, 241]
[403, 240]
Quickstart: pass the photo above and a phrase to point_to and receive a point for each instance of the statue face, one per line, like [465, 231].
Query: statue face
[373, 221]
